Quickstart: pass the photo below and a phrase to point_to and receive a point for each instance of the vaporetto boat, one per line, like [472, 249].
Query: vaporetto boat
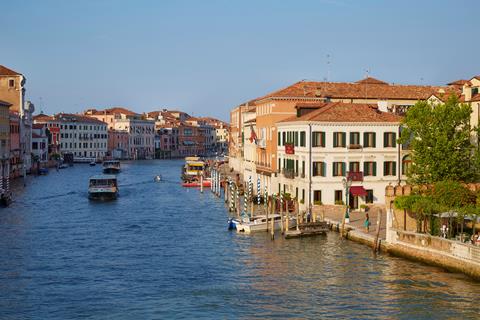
[103, 187]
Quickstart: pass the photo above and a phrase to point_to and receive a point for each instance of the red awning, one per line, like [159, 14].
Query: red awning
[358, 191]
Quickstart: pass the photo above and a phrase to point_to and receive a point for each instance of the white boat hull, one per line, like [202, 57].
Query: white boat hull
[256, 226]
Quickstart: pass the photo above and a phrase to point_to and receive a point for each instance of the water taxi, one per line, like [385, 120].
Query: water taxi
[103, 186]
[111, 166]
[193, 168]
[259, 223]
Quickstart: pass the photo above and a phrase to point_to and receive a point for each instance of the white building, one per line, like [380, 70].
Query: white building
[335, 142]
[39, 143]
[80, 136]
[141, 136]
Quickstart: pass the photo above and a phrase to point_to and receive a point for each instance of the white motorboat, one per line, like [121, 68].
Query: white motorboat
[259, 223]
[111, 166]
[103, 187]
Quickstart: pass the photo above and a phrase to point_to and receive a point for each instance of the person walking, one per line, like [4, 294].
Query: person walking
[367, 223]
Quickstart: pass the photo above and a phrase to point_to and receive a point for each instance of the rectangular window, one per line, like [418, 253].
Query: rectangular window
[389, 168]
[354, 138]
[11, 83]
[369, 140]
[279, 142]
[370, 168]
[354, 166]
[303, 168]
[317, 197]
[339, 139]
[34, 145]
[319, 169]
[302, 138]
[284, 138]
[318, 139]
[338, 196]
[303, 195]
[369, 196]
[339, 169]
[389, 139]
[295, 138]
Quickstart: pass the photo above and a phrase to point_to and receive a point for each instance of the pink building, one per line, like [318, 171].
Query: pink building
[15, 151]
[118, 144]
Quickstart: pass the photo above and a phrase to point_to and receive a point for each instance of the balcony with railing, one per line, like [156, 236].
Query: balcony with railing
[355, 176]
[289, 173]
[354, 146]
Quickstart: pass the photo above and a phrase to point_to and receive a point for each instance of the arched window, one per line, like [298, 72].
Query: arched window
[406, 164]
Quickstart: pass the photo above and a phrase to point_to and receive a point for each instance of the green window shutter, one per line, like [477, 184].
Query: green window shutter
[344, 168]
[322, 135]
[303, 167]
[365, 139]
[344, 139]
[385, 139]
[324, 169]
[279, 143]
[296, 138]
[374, 169]
[365, 168]
[279, 164]
[334, 139]
[394, 134]
[283, 138]
[394, 171]
[334, 169]
[384, 168]
[374, 139]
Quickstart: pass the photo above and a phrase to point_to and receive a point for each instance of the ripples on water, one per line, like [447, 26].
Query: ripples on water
[161, 251]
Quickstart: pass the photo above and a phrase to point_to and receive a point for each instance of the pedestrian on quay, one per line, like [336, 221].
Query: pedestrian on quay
[367, 223]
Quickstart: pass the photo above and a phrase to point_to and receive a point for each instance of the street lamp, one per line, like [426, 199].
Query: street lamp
[347, 183]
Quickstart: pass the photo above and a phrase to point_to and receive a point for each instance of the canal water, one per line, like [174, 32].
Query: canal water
[163, 252]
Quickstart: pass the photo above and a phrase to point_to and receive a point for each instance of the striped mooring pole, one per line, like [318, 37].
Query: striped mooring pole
[259, 191]
[232, 200]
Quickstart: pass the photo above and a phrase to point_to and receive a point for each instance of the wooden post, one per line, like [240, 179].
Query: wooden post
[281, 212]
[267, 208]
[287, 215]
[272, 228]
[297, 211]
[201, 183]
[238, 202]
[376, 247]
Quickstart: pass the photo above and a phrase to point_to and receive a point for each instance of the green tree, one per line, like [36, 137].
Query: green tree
[439, 136]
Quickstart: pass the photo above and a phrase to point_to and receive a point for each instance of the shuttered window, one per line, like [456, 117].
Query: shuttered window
[302, 138]
[319, 169]
[389, 168]
[318, 139]
[370, 168]
[339, 139]
[389, 139]
[369, 139]
[339, 169]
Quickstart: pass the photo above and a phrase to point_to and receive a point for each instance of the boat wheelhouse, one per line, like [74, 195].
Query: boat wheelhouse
[111, 166]
[103, 186]
[193, 168]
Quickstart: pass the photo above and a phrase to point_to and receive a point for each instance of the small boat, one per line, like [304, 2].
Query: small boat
[92, 164]
[193, 168]
[157, 178]
[43, 171]
[103, 187]
[196, 183]
[63, 166]
[259, 223]
[111, 166]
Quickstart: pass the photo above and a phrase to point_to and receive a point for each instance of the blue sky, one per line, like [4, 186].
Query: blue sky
[206, 57]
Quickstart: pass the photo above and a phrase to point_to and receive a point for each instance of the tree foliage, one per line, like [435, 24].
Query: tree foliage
[439, 136]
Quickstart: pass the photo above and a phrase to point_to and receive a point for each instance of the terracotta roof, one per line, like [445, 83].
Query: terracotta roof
[444, 96]
[42, 117]
[37, 126]
[109, 111]
[457, 83]
[5, 103]
[69, 117]
[313, 89]
[475, 97]
[4, 71]
[309, 105]
[370, 80]
[347, 112]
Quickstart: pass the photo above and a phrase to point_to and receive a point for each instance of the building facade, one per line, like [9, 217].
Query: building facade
[318, 152]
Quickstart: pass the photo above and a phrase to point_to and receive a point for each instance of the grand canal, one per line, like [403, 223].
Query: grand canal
[163, 252]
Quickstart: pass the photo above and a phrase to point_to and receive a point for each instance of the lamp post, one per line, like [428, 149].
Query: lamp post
[347, 183]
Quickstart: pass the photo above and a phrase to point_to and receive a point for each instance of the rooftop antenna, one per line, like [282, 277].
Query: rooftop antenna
[367, 74]
[328, 67]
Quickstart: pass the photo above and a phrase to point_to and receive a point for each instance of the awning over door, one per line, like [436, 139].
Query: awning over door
[358, 191]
